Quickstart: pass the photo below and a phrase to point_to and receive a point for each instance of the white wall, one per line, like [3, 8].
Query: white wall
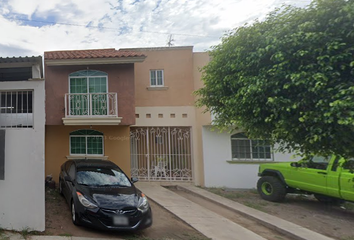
[218, 172]
[22, 196]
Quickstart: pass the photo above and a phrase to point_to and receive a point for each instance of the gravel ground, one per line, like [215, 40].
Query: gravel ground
[333, 221]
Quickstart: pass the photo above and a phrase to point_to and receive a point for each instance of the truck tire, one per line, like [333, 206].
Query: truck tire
[271, 189]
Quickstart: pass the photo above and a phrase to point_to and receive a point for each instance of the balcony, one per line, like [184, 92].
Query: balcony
[91, 109]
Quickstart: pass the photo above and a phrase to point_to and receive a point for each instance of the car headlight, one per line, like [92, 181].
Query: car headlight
[84, 201]
[143, 204]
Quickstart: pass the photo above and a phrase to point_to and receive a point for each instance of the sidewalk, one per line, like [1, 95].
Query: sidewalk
[215, 226]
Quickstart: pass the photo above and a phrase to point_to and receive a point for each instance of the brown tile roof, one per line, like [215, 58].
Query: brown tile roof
[91, 53]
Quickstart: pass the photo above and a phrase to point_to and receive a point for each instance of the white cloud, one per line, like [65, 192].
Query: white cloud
[123, 23]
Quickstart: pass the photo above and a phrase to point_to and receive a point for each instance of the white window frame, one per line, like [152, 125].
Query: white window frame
[86, 143]
[251, 150]
[88, 76]
[155, 73]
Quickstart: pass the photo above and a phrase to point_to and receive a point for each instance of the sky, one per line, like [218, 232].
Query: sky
[30, 27]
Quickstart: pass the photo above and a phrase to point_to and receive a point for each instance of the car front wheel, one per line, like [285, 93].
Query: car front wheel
[74, 215]
[271, 189]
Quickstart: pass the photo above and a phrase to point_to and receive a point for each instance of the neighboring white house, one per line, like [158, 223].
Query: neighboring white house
[232, 160]
[22, 119]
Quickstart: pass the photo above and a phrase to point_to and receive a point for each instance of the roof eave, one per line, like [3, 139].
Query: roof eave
[93, 61]
[20, 62]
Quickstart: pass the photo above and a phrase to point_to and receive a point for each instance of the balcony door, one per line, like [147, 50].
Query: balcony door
[88, 93]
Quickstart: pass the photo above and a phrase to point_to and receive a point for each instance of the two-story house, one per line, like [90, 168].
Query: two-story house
[90, 106]
[22, 119]
[136, 107]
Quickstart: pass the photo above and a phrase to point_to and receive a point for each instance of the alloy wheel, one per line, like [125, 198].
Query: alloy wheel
[267, 188]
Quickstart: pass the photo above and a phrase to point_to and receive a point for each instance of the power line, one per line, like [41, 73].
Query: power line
[107, 28]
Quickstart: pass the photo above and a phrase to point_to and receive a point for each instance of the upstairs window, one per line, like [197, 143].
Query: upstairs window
[88, 93]
[86, 142]
[88, 81]
[156, 78]
[244, 149]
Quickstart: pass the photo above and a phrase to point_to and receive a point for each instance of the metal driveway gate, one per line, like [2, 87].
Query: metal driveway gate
[161, 153]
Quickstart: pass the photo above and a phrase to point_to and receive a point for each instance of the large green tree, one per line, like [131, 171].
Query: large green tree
[289, 78]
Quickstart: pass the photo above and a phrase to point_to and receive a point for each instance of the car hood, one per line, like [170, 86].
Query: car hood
[274, 165]
[113, 197]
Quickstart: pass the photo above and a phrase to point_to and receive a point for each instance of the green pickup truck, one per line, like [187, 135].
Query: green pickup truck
[330, 179]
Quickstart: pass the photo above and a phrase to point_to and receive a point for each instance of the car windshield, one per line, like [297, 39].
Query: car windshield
[102, 177]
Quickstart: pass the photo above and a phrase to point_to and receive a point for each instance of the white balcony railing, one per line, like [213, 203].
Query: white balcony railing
[91, 105]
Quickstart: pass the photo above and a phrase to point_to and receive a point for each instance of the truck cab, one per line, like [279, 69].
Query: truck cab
[330, 179]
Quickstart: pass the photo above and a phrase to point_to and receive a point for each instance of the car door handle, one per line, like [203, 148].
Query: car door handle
[324, 173]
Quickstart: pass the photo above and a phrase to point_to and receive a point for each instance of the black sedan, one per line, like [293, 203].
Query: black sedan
[102, 196]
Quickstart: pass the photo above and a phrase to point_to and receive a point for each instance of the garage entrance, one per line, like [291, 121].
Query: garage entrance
[161, 153]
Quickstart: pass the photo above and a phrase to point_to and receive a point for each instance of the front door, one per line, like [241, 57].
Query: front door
[311, 176]
[347, 180]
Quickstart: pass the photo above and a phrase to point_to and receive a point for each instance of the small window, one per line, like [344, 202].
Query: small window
[156, 78]
[349, 164]
[244, 149]
[335, 164]
[86, 142]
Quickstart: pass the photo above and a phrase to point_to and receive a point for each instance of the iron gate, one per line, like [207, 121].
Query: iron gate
[161, 153]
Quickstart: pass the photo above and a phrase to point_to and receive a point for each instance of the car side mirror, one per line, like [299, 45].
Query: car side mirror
[295, 164]
[68, 179]
[134, 179]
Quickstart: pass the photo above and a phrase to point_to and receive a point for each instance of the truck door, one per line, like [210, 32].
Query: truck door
[311, 176]
[347, 180]
[333, 177]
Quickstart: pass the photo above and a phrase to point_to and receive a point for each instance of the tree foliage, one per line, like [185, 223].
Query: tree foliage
[289, 78]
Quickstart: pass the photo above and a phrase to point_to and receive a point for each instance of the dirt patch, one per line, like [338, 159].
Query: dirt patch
[333, 221]
[165, 225]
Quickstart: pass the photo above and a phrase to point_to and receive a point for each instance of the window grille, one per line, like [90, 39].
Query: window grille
[244, 149]
[16, 109]
[86, 142]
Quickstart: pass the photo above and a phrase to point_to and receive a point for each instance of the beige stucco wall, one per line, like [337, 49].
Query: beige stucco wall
[116, 146]
[173, 105]
[177, 64]
[165, 116]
